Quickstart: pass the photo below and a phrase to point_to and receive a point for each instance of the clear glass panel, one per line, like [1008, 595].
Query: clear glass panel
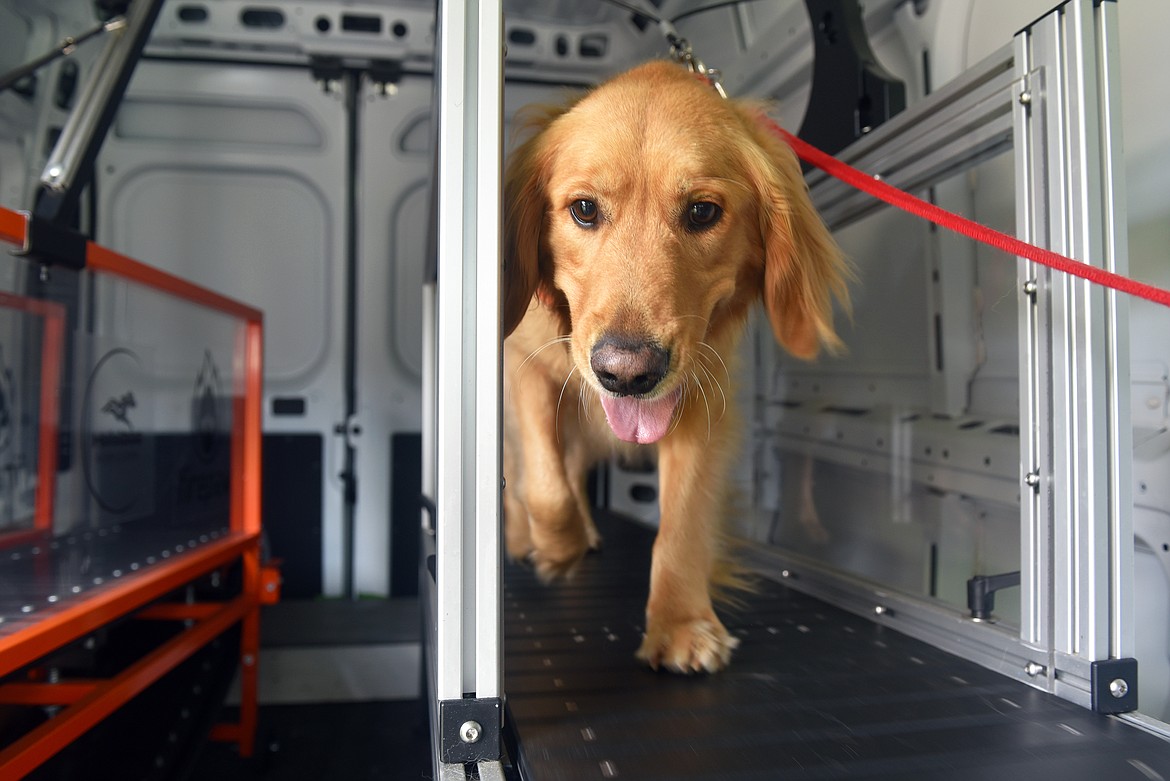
[31, 333]
[153, 393]
[1150, 356]
[135, 395]
[898, 461]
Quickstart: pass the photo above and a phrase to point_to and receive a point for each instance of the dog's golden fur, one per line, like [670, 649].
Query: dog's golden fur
[641, 223]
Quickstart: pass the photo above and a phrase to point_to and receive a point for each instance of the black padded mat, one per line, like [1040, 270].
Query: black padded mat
[813, 692]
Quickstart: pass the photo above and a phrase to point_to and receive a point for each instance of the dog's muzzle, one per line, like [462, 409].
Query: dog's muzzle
[631, 369]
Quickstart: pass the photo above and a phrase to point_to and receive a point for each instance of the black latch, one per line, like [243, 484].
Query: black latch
[981, 592]
[326, 69]
[1113, 685]
[385, 72]
[469, 730]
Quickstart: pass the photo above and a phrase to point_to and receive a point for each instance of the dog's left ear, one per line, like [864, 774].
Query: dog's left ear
[804, 269]
[525, 208]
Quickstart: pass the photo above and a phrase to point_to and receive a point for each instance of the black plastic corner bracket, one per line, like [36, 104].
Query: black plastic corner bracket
[1113, 685]
[469, 730]
[54, 245]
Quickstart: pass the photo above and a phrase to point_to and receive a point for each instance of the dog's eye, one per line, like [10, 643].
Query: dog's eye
[702, 215]
[584, 212]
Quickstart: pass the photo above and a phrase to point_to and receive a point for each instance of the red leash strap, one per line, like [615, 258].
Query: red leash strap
[965, 227]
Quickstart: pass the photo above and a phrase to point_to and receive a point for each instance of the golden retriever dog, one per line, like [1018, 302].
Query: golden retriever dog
[641, 223]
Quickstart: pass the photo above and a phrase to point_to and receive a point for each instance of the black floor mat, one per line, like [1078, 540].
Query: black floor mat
[813, 692]
[365, 741]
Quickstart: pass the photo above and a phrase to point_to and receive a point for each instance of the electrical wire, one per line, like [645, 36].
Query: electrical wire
[654, 17]
[63, 49]
[703, 9]
[638, 9]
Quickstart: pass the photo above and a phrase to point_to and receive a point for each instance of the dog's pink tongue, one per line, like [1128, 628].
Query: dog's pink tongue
[640, 420]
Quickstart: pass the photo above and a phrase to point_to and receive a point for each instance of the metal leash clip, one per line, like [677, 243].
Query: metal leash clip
[681, 51]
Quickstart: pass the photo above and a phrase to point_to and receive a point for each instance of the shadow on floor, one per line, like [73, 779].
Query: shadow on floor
[321, 742]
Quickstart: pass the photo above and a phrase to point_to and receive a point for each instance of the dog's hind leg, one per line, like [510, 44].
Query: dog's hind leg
[517, 537]
[551, 489]
[578, 461]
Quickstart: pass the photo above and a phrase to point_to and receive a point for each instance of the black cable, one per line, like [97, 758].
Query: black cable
[63, 49]
[636, 9]
[704, 9]
[648, 13]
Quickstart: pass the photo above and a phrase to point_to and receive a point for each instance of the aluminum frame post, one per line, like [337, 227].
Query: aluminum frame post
[467, 687]
[1076, 436]
[67, 169]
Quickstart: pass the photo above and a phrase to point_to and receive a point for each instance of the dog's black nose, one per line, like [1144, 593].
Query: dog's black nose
[628, 367]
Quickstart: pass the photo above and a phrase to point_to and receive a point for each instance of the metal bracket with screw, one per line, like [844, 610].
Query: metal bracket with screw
[469, 730]
[1113, 685]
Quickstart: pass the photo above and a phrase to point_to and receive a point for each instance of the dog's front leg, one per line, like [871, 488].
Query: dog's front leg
[682, 631]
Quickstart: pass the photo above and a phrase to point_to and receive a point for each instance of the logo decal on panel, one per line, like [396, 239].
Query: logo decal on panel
[205, 413]
[118, 459]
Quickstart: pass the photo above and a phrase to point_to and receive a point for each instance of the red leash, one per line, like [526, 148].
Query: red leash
[965, 227]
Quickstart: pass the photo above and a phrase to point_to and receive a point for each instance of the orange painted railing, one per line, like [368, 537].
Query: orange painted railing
[85, 703]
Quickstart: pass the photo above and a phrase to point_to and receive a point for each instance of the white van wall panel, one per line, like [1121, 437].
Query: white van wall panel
[15, 34]
[280, 224]
[233, 176]
[1146, 140]
[394, 168]
[293, 31]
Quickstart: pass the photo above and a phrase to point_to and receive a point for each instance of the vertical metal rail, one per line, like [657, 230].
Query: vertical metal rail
[1077, 538]
[467, 707]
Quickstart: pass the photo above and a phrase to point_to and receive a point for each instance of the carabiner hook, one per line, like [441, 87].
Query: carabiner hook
[680, 49]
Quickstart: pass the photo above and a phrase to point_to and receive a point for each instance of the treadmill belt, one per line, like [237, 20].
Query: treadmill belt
[813, 692]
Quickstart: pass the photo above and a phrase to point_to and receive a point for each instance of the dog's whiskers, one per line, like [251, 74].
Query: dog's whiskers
[718, 386]
[560, 397]
[718, 357]
[703, 393]
[583, 401]
[539, 350]
[702, 363]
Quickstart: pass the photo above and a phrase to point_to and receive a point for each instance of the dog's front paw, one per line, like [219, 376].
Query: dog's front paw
[688, 646]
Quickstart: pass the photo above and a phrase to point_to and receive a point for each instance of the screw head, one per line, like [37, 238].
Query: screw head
[1118, 688]
[1025, 98]
[470, 732]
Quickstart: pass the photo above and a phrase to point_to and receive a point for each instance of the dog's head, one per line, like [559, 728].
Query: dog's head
[649, 215]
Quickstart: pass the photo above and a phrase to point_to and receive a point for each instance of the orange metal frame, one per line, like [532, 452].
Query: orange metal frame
[52, 352]
[85, 703]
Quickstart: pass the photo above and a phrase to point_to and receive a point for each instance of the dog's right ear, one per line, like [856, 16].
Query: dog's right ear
[525, 208]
